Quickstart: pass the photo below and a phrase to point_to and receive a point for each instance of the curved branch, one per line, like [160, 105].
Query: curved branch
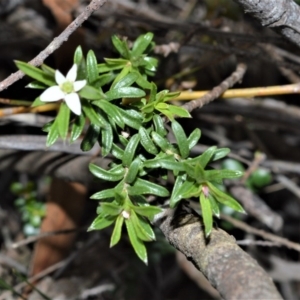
[228, 268]
[56, 43]
[282, 15]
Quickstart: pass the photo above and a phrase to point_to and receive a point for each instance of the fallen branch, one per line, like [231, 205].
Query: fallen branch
[227, 267]
[282, 15]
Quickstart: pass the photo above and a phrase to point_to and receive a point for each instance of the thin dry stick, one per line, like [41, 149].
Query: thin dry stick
[261, 233]
[217, 91]
[15, 102]
[34, 238]
[25, 109]
[56, 43]
[257, 243]
[254, 165]
[246, 93]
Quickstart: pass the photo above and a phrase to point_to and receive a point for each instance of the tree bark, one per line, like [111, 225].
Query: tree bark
[281, 15]
[228, 268]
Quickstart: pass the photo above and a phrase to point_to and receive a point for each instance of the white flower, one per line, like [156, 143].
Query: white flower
[66, 89]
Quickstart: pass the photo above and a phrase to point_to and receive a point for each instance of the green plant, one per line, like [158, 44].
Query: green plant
[128, 119]
[32, 210]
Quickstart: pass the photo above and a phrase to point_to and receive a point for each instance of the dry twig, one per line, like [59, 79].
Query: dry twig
[261, 233]
[217, 91]
[56, 43]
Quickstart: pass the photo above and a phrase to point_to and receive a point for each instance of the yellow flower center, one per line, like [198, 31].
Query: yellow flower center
[67, 87]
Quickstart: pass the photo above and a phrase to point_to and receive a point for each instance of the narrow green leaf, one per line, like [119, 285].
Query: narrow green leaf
[52, 135]
[104, 68]
[36, 85]
[48, 70]
[179, 111]
[190, 169]
[181, 139]
[90, 93]
[187, 189]
[171, 164]
[220, 153]
[225, 198]
[206, 214]
[77, 128]
[200, 174]
[111, 110]
[206, 156]
[153, 93]
[90, 137]
[168, 163]
[147, 227]
[126, 81]
[147, 211]
[78, 55]
[165, 96]
[112, 175]
[116, 235]
[176, 196]
[106, 140]
[111, 209]
[121, 46]
[91, 67]
[124, 92]
[217, 175]
[194, 138]
[37, 102]
[101, 222]
[214, 206]
[161, 142]
[141, 44]
[105, 194]
[159, 125]
[143, 82]
[35, 73]
[136, 243]
[167, 113]
[133, 170]
[104, 79]
[146, 141]
[116, 61]
[81, 71]
[92, 115]
[63, 119]
[117, 152]
[142, 187]
[130, 150]
[139, 229]
[123, 140]
[150, 64]
[162, 106]
[131, 118]
[48, 126]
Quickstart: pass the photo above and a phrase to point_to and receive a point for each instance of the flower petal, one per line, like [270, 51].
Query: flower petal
[53, 93]
[72, 74]
[78, 85]
[59, 78]
[73, 103]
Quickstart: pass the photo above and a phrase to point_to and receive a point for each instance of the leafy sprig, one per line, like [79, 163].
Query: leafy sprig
[127, 116]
